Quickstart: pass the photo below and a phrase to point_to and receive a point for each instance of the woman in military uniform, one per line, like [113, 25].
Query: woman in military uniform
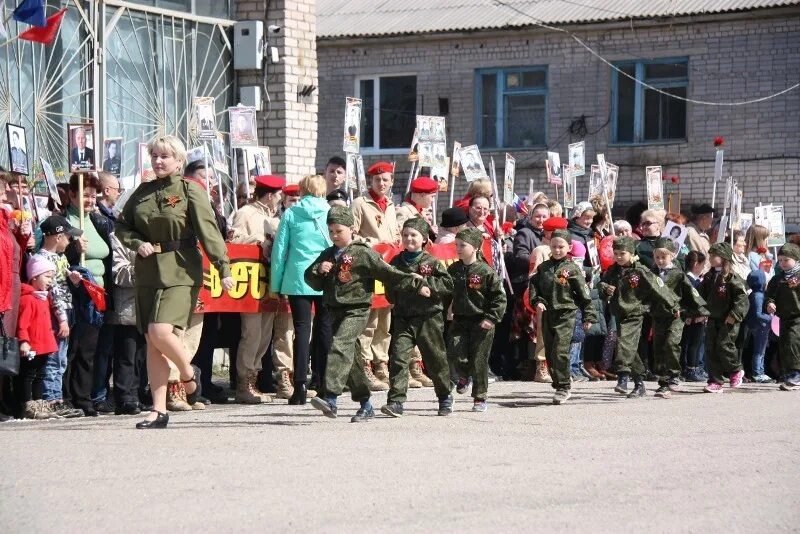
[162, 222]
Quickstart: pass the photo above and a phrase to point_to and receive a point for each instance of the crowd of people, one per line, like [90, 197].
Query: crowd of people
[101, 296]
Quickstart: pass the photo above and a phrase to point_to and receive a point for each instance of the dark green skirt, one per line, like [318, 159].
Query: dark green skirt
[169, 305]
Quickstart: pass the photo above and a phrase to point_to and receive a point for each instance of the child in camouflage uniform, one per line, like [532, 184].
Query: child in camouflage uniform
[346, 274]
[479, 303]
[783, 299]
[558, 290]
[417, 320]
[668, 329]
[726, 297]
[632, 288]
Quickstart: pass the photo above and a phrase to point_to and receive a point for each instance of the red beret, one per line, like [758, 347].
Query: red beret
[424, 184]
[271, 181]
[379, 168]
[555, 223]
[291, 189]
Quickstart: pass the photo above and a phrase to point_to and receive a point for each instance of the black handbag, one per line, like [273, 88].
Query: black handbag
[9, 352]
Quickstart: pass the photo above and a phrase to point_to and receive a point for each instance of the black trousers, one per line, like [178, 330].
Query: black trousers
[130, 354]
[77, 381]
[29, 383]
[320, 335]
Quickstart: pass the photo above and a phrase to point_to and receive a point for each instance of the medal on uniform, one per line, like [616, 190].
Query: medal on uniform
[633, 281]
[172, 200]
[793, 282]
[345, 275]
[474, 281]
[722, 290]
[347, 259]
[425, 269]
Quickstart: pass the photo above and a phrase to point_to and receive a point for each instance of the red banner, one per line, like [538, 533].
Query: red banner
[251, 293]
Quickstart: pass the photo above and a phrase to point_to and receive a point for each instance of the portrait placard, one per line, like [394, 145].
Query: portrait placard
[432, 141]
[455, 166]
[361, 175]
[112, 155]
[569, 187]
[80, 139]
[553, 166]
[143, 163]
[440, 174]
[508, 181]
[612, 171]
[472, 163]
[594, 256]
[206, 118]
[17, 149]
[50, 178]
[596, 185]
[352, 125]
[577, 158]
[258, 161]
[676, 232]
[218, 150]
[244, 132]
[655, 188]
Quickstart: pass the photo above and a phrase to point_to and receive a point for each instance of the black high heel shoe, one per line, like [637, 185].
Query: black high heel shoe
[192, 397]
[298, 398]
[160, 421]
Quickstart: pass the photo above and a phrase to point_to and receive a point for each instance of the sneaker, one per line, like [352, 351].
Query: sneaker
[663, 392]
[363, 415]
[694, 375]
[462, 385]
[622, 384]
[792, 382]
[713, 387]
[638, 391]
[104, 407]
[446, 405]
[578, 377]
[393, 409]
[736, 379]
[762, 379]
[479, 406]
[674, 385]
[65, 410]
[561, 396]
[328, 409]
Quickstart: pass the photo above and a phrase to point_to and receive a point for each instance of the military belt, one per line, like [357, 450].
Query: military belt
[172, 246]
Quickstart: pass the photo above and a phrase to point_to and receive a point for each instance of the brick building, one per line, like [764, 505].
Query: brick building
[510, 85]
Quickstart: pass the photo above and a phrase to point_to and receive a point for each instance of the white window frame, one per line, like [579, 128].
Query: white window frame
[376, 113]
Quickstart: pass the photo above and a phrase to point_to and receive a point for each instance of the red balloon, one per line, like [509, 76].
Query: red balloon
[606, 252]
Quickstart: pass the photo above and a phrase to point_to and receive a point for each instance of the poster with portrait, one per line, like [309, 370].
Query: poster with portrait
[553, 166]
[143, 164]
[745, 221]
[17, 149]
[569, 187]
[258, 161]
[218, 151]
[591, 250]
[577, 158]
[472, 163]
[655, 188]
[676, 232]
[50, 178]
[777, 226]
[80, 140]
[361, 175]
[736, 207]
[413, 151]
[351, 169]
[244, 132]
[612, 172]
[508, 180]
[206, 118]
[112, 155]
[455, 166]
[352, 125]
[596, 185]
[199, 153]
[432, 140]
[440, 174]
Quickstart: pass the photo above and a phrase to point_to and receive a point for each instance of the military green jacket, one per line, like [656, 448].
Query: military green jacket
[785, 294]
[691, 303]
[477, 291]
[637, 288]
[351, 281]
[171, 209]
[560, 285]
[435, 276]
[724, 295]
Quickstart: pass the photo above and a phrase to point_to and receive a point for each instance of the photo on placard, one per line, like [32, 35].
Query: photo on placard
[143, 163]
[199, 153]
[439, 155]
[655, 188]
[112, 155]
[591, 249]
[736, 208]
[439, 135]
[80, 139]
[508, 180]
[577, 158]
[426, 154]
[351, 170]
[17, 149]
[361, 175]
[258, 161]
[676, 232]
[440, 174]
[472, 163]
[352, 125]
[218, 151]
[777, 226]
[596, 191]
[244, 132]
[413, 150]
[455, 166]
[612, 172]
[745, 221]
[569, 187]
[553, 166]
[206, 117]
[425, 128]
[50, 178]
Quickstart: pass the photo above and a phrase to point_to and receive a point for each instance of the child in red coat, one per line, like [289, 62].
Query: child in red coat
[37, 340]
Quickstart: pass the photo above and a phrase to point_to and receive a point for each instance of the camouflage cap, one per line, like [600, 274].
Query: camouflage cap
[473, 236]
[340, 215]
[625, 243]
[790, 250]
[419, 224]
[563, 234]
[723, 250]
[665, 243]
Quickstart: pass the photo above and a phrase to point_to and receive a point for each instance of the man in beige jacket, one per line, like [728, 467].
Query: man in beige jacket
[696, 231]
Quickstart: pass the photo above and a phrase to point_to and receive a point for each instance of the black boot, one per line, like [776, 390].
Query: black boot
[638, 389]
[298, 398]
[622, 384]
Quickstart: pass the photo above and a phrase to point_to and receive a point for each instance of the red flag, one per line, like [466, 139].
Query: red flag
[96, 293]
[47, 34]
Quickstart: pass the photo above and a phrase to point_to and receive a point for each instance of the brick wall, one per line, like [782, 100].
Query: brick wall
[289, 126]
[731, 58]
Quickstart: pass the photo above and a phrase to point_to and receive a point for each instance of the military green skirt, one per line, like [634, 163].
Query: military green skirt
[169, 305]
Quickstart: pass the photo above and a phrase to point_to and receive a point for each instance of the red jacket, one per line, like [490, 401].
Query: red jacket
[35, 324]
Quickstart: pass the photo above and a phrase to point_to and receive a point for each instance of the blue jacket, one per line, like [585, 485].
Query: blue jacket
[757, 281]
[302, 236]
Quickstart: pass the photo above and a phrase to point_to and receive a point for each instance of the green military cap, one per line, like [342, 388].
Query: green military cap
[624, 243]
[665, 243]
[341, 215]
[563, 234]
[419, 224]
[723, 250]
[473, 236]
[790, 250]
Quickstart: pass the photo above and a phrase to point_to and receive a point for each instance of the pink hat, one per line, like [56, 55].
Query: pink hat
[578, 249]
[38, 265]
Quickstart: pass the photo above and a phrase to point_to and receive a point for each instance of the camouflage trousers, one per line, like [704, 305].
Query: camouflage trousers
[667, 333]
[557, 331]
[345, 366]
[629, 361]
[468, 352]
[722, 356]
[789, 346]
[427, 333]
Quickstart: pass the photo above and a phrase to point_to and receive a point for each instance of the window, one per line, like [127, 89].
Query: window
[642, 115]
[389, 124]
[511, 107]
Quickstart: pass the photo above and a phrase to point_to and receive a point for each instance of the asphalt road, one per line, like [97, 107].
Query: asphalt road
[600, 463]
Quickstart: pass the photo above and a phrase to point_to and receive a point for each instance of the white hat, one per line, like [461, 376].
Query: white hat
[38, 265]
[582, 207]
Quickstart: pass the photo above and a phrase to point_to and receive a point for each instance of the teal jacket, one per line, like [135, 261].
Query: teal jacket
[302, 235]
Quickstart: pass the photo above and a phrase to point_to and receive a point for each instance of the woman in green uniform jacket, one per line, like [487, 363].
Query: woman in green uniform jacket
[162, 221]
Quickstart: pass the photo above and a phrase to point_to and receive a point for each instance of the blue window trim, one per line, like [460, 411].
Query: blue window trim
[638, 106]
[502, 92]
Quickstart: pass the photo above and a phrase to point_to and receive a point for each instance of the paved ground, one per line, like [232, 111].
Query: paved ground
[598, 464]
